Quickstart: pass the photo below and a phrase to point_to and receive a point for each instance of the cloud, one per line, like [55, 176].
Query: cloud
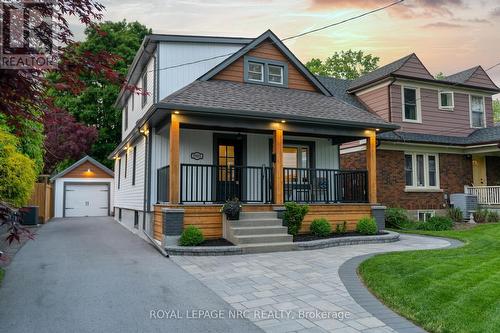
[442, 25]
[495, 12]
[407, 9]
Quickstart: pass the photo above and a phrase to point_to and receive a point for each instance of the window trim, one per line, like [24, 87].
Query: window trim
[418, 106]
[265, 64]
[470, 111]
[426, 172]
[424, 211]
[448, 108]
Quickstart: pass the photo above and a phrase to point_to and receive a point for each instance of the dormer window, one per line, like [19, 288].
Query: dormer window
[266, 72]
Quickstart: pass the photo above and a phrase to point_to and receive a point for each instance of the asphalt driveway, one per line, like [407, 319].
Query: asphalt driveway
[92, 275]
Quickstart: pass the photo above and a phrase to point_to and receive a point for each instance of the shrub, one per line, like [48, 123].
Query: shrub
[396, 218]
[367, 226]
[481, 215]
[436, 223]
[191, 236]
[320, 227]
[493, 217]
[293, 216]
[455, 214]
[341, 228]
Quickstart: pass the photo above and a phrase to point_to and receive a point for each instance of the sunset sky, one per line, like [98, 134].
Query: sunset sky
[447, 35]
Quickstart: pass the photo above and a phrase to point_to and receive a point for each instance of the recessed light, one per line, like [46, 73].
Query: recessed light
[176, 112]
[283, 121]
[377, 129]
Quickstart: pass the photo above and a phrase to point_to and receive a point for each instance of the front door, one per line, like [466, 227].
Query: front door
[229, 173]
[479, 171]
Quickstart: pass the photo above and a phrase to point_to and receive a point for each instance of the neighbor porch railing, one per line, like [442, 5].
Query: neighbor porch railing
[486, 195]
[325, 185]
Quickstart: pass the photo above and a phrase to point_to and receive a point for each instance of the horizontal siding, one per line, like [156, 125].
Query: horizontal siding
[481, 79]
[414, 68]
[131, 196]
[377, 101]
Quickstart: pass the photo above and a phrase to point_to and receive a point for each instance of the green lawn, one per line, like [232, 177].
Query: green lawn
[453, 290]
[1, 275]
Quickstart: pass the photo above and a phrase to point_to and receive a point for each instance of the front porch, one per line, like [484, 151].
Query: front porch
[262, 164]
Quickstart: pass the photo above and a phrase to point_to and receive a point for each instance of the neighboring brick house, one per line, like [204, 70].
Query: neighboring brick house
[446, 140]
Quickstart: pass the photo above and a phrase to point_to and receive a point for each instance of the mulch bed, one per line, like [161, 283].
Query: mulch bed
[216, 242]
[309, 237]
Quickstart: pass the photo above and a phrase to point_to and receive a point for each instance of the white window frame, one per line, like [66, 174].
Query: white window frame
[262, 72]
[418, 104]
[426, 211]
[282, 73]
[470, 111]
[426, 172]
[448, 107]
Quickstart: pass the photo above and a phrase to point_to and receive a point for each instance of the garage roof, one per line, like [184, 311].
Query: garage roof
[80, 162]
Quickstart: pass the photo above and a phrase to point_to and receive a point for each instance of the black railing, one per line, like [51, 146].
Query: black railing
[215, 183]
[325, 185]
[162, 180]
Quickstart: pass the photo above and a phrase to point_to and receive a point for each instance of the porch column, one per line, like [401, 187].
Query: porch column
[371, 164]
[278, 166]
[174, 156]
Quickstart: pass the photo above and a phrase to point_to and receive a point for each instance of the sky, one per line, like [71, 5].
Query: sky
[447, 35]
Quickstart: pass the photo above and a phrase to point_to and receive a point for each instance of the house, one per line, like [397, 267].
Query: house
[85, 188]
[446, 138]
[235, 117]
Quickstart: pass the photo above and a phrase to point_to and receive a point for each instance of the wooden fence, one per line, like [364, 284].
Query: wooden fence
[43, 198]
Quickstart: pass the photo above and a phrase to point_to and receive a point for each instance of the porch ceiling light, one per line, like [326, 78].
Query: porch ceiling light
[176, 112]
[283, 121]
[377, 129]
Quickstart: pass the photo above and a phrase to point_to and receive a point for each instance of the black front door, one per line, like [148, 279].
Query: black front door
[229, 173]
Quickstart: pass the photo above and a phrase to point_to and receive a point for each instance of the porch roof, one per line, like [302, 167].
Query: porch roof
[243, 99]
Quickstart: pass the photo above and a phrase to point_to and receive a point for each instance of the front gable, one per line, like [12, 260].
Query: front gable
[87, 167]
[481, 79]
[267, 48]
[414, 68]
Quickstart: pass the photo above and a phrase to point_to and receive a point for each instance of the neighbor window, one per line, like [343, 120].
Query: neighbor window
[477, 111]
[144, 88]
[446, 100]
[134, 160]
[411, 110]
[255, 72]
[425, 215]
[421, 170]
[265, 71]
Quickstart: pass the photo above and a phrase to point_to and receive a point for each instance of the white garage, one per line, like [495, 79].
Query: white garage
[83, 189]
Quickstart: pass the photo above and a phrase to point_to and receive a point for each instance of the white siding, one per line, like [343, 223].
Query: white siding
[128, 195]
[159, 157]
[175, 53]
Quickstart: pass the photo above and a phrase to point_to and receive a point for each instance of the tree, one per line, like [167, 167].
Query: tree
[93, 105]
[440, 76]
[344, 64]
[496, 110]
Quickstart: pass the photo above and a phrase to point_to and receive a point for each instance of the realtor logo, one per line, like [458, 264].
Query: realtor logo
[26, 32]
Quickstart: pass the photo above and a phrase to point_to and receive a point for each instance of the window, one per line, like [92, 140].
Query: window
[144, 88]
[119, 171]
[446, 100]
[411, 104]
[125, 168]
[424, 215]
[134, 160]
[136, 219]
[294, 157]
[421, 170]
[132, 100]
[119, 214]
[275, 74]
[227, 159]
[125, 117]
[255, 72]
[477, 111]
[265, 71]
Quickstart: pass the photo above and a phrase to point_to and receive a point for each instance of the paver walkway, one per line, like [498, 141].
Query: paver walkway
[297, 291]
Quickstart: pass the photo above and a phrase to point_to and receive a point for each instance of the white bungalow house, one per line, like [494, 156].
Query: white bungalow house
[235, 117]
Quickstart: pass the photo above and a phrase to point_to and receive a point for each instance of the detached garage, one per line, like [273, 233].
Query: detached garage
[83, 189]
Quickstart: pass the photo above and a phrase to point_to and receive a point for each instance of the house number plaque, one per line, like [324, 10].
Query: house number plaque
[197, 156]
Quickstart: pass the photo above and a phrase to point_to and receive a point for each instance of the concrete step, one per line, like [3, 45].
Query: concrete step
[266, 238]
[263, 248]
[264, 222]
[247, 231]
[258, 215]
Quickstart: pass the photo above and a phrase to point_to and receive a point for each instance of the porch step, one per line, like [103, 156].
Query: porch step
[263, 222]
[258, 215]
[263, 238]
[265, 230]
[265, 247]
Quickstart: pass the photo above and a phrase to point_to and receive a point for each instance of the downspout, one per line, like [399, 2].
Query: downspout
[390, 96]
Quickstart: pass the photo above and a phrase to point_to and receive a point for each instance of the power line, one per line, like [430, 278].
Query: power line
[288, 38]
[490, 68]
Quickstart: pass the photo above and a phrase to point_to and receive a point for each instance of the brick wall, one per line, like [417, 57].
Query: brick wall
[455, 171]
[493, 170]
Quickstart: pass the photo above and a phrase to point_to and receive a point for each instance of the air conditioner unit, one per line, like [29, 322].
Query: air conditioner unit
[466, 202]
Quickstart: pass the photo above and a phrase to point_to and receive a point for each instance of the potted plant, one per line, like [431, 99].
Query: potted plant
[232, 209]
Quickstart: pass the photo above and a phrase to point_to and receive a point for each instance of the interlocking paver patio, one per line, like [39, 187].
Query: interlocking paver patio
[298, 283]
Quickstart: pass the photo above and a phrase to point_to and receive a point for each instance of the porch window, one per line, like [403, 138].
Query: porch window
[446, 100]
[295, 157]
[421, 170]
[411, 109]
[477, 111]
[255, 72]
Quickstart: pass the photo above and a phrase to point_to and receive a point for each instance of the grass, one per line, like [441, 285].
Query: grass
[2, 272]
[452, 290]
